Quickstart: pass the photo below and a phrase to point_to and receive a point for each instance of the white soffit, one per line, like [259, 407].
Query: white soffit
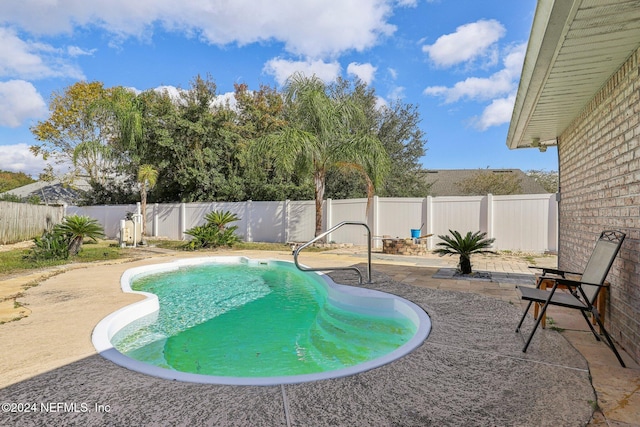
[574, 47]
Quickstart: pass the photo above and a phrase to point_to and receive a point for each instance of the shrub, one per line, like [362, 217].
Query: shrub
[50, 246]
[214, 233]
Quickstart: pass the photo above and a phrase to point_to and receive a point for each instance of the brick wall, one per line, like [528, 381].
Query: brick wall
[599, 162]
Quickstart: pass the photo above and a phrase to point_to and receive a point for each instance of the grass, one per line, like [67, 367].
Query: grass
[529, 258]
[18, 260]
[552, 325]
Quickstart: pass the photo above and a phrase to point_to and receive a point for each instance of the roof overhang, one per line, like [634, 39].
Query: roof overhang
[574, 47]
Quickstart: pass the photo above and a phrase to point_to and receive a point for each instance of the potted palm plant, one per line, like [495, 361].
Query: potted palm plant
[471, 243]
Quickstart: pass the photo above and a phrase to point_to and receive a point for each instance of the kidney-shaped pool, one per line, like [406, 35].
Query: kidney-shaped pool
[234, 320]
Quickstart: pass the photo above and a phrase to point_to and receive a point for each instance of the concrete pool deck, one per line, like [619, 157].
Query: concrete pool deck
[470, 371]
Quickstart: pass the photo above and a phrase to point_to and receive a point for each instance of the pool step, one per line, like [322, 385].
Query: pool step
[349, 340]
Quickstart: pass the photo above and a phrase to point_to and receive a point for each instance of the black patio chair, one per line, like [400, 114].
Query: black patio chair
[583, 291]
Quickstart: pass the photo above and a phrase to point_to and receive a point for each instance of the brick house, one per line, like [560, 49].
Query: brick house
[580, 90]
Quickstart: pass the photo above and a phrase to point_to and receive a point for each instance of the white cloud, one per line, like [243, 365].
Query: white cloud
[396, 93]
[20, 101]
[173, 92]
[17, 57]
[226, 99]
[514, 59]
[281, 69]
[365, 72]
[32, 60]
[381, 103]
[78, 51]
[498, 84]
[475, 88]
[499, 88]
[496, 113]
[469, 42]
[18, 158]
[315, 28]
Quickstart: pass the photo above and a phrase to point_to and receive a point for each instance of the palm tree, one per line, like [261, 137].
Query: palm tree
[147, 178]
[76, 228]
[324, 132]
[466, 246]
[127, 108]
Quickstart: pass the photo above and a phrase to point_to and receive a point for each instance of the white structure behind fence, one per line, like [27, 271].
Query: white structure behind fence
[518, 223]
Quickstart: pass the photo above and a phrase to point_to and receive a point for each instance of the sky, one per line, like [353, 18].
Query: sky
[458, 61]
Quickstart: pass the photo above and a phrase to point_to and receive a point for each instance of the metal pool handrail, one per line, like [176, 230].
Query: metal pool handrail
[332, 229]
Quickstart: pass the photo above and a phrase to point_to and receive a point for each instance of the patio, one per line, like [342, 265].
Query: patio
[470, 371]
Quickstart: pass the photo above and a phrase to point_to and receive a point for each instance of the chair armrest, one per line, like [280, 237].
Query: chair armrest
[575, 283]
[546, 271]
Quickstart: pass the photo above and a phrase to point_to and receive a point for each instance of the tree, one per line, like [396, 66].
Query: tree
[258, 113]
[396, 125]
[10, 180]
[547, 179]
[399, 131]
[493, 182]
[188, 141]
[147, 177]
[470, 244]
[324, 132]
[76, 133]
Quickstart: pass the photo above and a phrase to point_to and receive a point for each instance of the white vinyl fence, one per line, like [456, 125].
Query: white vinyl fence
[519, 223]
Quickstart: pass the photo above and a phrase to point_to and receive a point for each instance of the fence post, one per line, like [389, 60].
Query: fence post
[155, 220]
[552, 226]
[328, 215]
[285, 220]
[429, 221]
[489, 215]
[247, 215]
[183, 220]
[374, 221]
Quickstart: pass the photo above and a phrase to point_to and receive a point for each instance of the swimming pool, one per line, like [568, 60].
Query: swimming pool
[234, 320]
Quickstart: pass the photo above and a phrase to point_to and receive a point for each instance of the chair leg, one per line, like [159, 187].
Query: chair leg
[538, 320]
[607, 337]
[524, 315]
[586, 318]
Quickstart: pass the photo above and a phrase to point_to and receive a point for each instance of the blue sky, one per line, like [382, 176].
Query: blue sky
[458, 60]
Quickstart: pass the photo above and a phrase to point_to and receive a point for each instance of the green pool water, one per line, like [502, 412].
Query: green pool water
[258, 320]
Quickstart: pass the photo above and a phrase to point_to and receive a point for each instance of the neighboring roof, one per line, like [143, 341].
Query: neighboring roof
[574, 47]
[444, 182]
[53, 192]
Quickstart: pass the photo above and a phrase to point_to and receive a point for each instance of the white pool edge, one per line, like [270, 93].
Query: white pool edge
[339, 294]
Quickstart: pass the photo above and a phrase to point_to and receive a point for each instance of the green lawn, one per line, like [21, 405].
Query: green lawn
[18, 260]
